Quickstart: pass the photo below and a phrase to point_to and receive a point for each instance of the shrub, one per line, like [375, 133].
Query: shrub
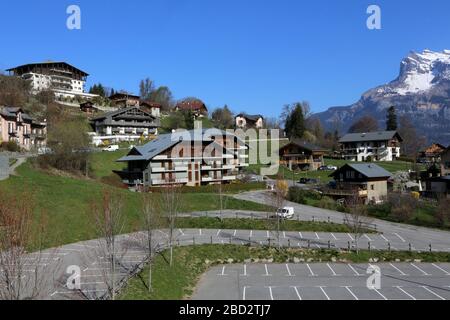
[10, 146]
[442, 214]
[327, 203]
[403, 206]
[299, 195]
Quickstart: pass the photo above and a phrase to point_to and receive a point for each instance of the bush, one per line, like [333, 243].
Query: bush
[299, 195]
[443, 212]
[327, 203]
[403, 206]
[10, 146]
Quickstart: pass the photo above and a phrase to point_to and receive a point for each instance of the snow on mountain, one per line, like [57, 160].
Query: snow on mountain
[421, 91]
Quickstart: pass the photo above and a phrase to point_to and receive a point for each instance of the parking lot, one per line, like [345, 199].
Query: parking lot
[325, 281]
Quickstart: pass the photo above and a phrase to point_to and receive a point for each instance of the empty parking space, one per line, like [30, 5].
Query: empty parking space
[327, 281]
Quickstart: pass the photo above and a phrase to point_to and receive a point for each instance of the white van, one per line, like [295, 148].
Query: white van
[285, 213]
[111, 148]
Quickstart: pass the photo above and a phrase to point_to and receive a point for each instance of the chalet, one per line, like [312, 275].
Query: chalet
[18, 126]
[124, 100]
[364, 181]
[192, 158]
[151, 107]
[88, 107]
[302, 155]
[445, 162]
[196, 106]
[432, 154]
[371, 146]
[438, 185]
[127, 124]
[244, 121]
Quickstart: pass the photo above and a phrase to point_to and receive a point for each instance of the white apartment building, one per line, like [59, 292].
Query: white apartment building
[63, 79]
[371, 146]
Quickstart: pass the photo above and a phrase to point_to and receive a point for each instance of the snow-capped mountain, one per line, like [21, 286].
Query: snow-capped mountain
[422, 91]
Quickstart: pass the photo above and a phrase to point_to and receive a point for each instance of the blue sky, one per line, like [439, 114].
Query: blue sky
[254, 55]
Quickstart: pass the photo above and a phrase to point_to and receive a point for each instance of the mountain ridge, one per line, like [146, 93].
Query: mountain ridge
[421, 91]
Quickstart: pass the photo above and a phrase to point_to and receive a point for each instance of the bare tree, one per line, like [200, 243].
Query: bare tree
[278, 199]
[151, 221]
[23, 275]
[170, 204]
[357, 219]
[108, 219]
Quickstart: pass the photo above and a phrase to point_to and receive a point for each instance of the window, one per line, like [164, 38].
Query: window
[372, 187]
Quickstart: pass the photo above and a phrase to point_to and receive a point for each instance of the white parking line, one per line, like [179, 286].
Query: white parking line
[298, 293]
[181, 231]
[445, 271]
[321, 288]
[351, 238]
[270, 291]
[385, 239]
[251, 233]
[367, 237]
[403, 240]
[400, 288]
[245, 271]
[310, 270]
[334, 273]
[334, 237]
[284, 234]
[432, 292]
[218, 233]
[268, 235]
[351, 292]
[400, 271]
[354, 270]
[300, 234]
[267, 271]
[289, 271]
[317, 236]
[200, 231]
[423, 272]
[234, 234]
[376, 290]
[223, 272]
[243, 293]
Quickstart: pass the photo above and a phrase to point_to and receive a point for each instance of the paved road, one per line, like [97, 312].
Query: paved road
[96, 272]
[410, 234]
[324, 281]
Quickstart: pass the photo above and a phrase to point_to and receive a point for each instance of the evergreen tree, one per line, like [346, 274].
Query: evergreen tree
[295, 123]
[391, 119]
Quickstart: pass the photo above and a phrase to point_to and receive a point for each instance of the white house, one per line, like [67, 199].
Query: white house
[371, 146]
[249, 121]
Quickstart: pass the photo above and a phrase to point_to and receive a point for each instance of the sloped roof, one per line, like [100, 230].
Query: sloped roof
[12, 112]
[166, 141]
[117, 112]
[47, 63]
[370, 136]
[369, 170]
[194, 104]
[252, 117]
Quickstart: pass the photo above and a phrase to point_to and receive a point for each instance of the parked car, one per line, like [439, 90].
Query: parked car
[44, 150]
[323, 168]
[111, 148]
[308, 181]
[285, 213]
[332, 168]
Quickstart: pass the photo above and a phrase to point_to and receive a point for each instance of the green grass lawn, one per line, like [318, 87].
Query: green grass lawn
[179, 281]
[103, 163]
[260, 224]
[66, 201]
